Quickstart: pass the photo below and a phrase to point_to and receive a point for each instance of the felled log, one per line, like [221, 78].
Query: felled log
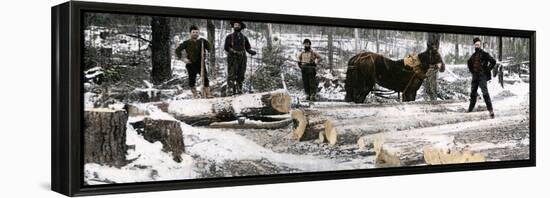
[202, 112]
[167, 132]
[430, 150]
[310, 125]
[252, 124]
[105, 137]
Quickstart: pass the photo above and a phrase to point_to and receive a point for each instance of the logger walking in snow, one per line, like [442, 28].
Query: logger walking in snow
[236, 46]
[191, 52]
[307, 61]
[480, 65]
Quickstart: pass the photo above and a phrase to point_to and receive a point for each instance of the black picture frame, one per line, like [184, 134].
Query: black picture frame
[67, 98]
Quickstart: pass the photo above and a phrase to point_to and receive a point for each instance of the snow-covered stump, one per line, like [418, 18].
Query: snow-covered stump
[167, 132]
[311, 125]
[105, 137]
[201, 112]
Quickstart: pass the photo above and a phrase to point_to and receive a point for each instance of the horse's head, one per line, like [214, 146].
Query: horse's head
[411, 61]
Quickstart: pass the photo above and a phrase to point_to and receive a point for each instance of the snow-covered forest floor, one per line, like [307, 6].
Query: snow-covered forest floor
[213, 152]
[240, 152]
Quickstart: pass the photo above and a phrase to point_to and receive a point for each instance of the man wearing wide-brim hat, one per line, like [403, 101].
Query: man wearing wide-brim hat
[236, 46]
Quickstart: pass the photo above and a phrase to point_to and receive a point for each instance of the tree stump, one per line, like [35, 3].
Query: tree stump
[105, 137]
[167, 132]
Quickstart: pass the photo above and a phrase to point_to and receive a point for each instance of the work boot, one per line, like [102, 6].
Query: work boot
[194, 92]
[206, 92]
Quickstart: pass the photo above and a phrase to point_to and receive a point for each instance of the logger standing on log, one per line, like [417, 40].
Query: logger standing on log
[236, 46]
[480, 65]
[307, 61]
[191, 52]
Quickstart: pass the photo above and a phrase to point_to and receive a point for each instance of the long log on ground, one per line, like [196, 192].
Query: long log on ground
[310, 125]
[105, 137]
[201, 112]
[252, 124]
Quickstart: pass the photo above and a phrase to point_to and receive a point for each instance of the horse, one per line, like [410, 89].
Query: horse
[367, 68]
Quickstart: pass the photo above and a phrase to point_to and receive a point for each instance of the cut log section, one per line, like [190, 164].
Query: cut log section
[310, 125]
[167, 132]
[202, 112]
[105, 137]
[390, 153]
[435, 156]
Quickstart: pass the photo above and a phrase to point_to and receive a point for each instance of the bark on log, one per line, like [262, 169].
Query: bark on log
[252, 124]
[167, 132]
[105, 137]
[201, 112]
[310, 124]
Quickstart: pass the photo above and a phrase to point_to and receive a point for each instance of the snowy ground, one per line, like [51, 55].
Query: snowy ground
[240, 152]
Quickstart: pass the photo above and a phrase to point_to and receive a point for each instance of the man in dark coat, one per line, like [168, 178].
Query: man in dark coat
[190, 52]
[480, 65]
[236, 46]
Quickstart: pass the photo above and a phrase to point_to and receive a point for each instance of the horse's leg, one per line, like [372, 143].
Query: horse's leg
[368, 86]
[410, 95]
[352, 82]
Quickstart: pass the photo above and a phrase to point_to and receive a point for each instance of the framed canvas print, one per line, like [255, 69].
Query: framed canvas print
[149, 98]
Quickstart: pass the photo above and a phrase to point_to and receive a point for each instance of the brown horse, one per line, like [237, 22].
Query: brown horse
[367, 68]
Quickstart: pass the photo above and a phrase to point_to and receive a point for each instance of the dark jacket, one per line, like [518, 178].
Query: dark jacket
[193, 49]
[236, 42]
[487, 63]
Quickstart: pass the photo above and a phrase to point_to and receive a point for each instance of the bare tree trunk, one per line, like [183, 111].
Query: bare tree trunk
[330, 50]
[105, 137]
[211, 31]
[269, 31]
[500, 48]
[457, 55]
[356, 36]
[377, 41]
[160, 50]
